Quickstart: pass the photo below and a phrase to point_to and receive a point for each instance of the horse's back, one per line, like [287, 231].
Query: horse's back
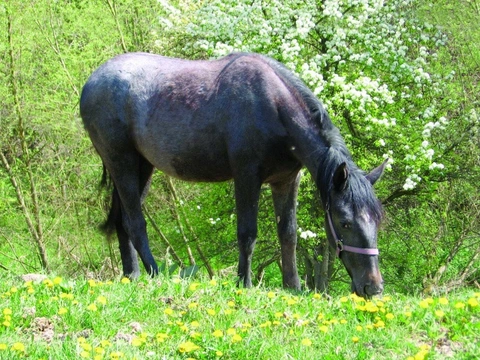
[188, 118]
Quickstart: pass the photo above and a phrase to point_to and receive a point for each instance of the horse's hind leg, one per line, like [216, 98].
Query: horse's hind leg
[285, 203]
[127, 249]
[131, 175]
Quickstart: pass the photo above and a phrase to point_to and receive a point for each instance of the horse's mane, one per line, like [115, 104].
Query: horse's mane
[335, 152]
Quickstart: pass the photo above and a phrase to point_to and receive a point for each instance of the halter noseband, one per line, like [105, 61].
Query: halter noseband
[339, 242]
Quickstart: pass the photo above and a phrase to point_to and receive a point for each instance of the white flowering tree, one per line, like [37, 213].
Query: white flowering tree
[367, 60]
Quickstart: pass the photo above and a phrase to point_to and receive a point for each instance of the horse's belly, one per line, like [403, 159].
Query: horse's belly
[195, 165]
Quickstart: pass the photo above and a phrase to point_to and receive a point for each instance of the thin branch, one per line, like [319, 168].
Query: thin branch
[113, 9]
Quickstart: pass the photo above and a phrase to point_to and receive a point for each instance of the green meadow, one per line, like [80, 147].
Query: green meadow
[175, 318]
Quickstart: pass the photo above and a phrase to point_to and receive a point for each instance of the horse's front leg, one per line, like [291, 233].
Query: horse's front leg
[247, 192]
[285, 202]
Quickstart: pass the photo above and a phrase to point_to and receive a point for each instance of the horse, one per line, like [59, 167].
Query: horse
[244, 117]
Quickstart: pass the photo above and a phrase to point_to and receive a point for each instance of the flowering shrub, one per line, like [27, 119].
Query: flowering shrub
[368, 60]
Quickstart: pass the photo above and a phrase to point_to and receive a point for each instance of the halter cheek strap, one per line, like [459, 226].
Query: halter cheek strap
[339, 242]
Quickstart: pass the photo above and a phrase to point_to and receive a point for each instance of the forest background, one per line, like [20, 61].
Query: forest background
[399, 78]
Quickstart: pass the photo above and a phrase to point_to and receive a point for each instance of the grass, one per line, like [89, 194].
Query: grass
[173, 318]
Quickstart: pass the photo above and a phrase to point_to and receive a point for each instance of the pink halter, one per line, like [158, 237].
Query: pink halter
[339, 242]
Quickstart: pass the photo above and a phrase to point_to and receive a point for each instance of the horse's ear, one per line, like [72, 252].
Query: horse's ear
[340, 177]
[376, 173]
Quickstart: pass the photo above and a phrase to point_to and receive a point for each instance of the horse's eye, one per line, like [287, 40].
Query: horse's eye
[346, 225]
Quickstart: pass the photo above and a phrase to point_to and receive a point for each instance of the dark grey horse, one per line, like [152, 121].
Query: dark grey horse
[245, 117]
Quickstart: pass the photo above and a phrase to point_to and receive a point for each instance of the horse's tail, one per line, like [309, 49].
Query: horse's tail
[115, 213]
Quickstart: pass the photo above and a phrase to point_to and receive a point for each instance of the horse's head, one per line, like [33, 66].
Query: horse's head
[353, 214]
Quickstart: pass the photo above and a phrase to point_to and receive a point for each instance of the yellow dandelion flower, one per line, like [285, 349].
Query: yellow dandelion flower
[137, 342]
[193, 305]
[211, 312]
[62, 311]
[276, 322]
[270, 294]
[459, 305]
[18, 346]
[359, 328]
[317, 296]
[389, 316]
[194, 286]
[236, 338]
[323, 328]
[57, 280]
[6, 323]
[439, 313]
[408, 314]
[99, 350]
[194, 324]
[116, 355]
[85, 354]
[266, 324]
[231, 304]
[379, 324]
[213, 282]
[187, 347]
[66, 296]
[101, 300]
[86, 346]
[355, 339]
[369, 327]
[231, 331]
[218, 353]
[357, 298]
[387, 298]
[429, 300]
[7, 311]
[13, 289]
[168, 311]
[443, 301]
[217, 333]
[306, 342]
[92, 283]
[343, 299]
[228, 311]
[239, 292]
[424, 304]
[105, 343]
[278, 315]
[92, 307]
[48, 283]
[125, 280]
[3, 346]
[161, 337]
[472, 302]
[343, 321]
